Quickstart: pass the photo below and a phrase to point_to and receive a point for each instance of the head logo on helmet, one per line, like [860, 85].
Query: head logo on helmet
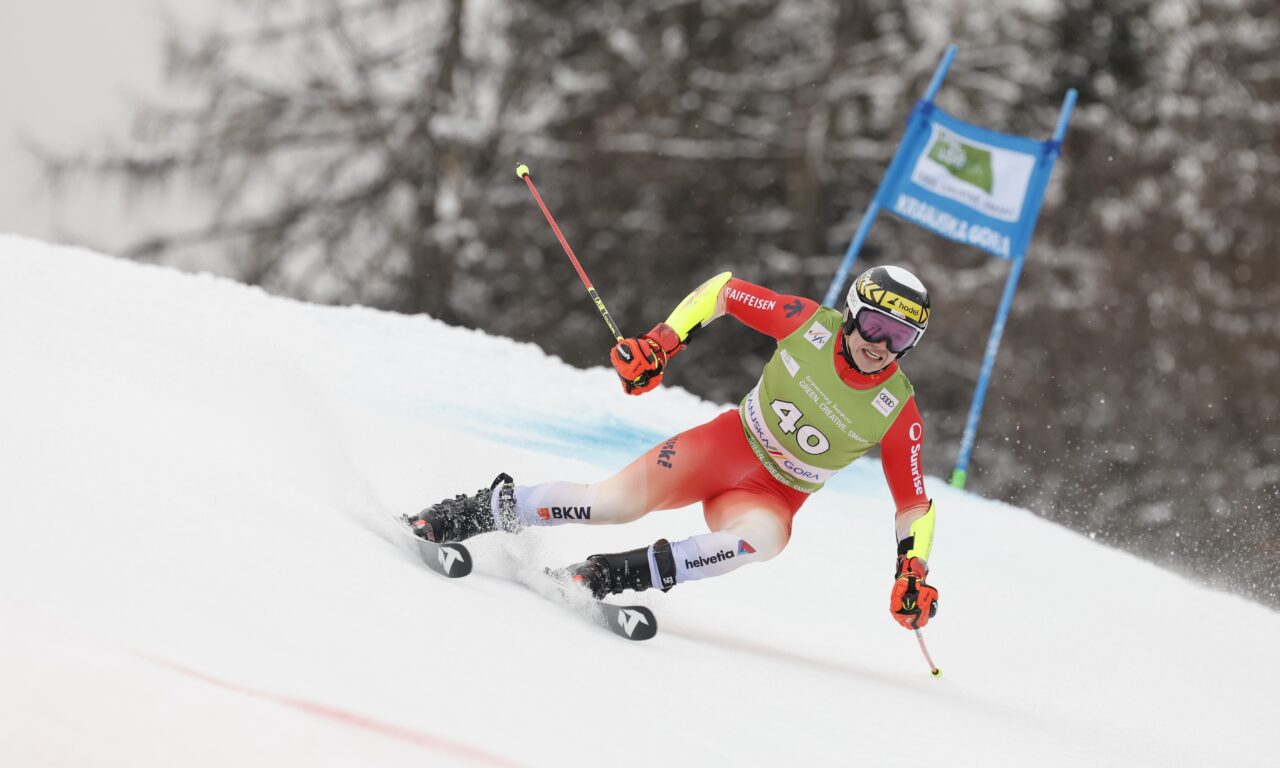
[895, 293]
[913, 306]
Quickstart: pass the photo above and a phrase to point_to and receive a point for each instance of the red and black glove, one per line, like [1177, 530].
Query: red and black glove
[640, 362]
[912, 602]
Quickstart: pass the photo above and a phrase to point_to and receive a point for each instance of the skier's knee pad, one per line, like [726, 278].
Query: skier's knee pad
[765, 533]
[619, 502]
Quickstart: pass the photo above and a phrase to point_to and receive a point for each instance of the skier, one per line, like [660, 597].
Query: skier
[832, 391]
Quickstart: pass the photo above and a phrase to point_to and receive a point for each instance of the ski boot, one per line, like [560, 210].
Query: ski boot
[465, 516]
[605, 575]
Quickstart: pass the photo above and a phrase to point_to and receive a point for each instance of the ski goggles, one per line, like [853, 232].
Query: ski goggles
[877, 326]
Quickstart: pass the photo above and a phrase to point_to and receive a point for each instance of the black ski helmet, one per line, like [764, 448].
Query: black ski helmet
[891, 291]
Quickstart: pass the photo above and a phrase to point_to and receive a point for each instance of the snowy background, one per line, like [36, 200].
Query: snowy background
[361, 153]
[71, 75]
[200, 566]
[200, 563]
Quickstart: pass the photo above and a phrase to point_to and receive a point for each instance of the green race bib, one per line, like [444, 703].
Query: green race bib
[803, 422]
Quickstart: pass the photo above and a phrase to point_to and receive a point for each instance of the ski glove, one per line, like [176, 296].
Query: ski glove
[912, 602]
[640, 362]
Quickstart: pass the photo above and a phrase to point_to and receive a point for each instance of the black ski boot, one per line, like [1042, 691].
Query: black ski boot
[611, 574]
[465, 516]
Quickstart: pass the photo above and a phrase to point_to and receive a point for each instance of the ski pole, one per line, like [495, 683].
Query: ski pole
[933, 668]
[522, 171]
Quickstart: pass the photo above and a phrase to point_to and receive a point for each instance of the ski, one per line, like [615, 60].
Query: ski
[633, 622]
[630, 622]
[451, 560]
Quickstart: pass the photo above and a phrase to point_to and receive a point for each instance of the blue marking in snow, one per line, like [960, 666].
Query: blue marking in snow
[603, 440]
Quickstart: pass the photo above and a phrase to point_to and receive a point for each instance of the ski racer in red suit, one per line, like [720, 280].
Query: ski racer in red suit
[832, 391]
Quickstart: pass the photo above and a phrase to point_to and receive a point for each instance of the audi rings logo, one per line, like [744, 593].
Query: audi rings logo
[916, 431]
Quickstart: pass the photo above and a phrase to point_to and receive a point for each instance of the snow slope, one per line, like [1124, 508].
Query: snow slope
[199, 566]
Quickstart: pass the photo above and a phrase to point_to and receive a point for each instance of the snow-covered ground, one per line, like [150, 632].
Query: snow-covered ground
[199, 566]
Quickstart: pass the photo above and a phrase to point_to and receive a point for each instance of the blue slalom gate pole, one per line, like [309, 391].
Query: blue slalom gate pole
[851, 255]
[873, 208]
[961, 473]
[1064, 117]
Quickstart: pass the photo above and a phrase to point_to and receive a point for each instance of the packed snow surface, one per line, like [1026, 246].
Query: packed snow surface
[200, 565]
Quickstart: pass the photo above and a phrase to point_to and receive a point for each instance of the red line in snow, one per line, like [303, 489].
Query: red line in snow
[347, 718]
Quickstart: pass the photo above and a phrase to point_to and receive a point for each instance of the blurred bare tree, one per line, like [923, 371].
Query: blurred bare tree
[1164, 437]
[364, 152]
[351, 146]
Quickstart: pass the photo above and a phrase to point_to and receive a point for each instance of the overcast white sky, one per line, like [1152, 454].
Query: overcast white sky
[70, 71]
